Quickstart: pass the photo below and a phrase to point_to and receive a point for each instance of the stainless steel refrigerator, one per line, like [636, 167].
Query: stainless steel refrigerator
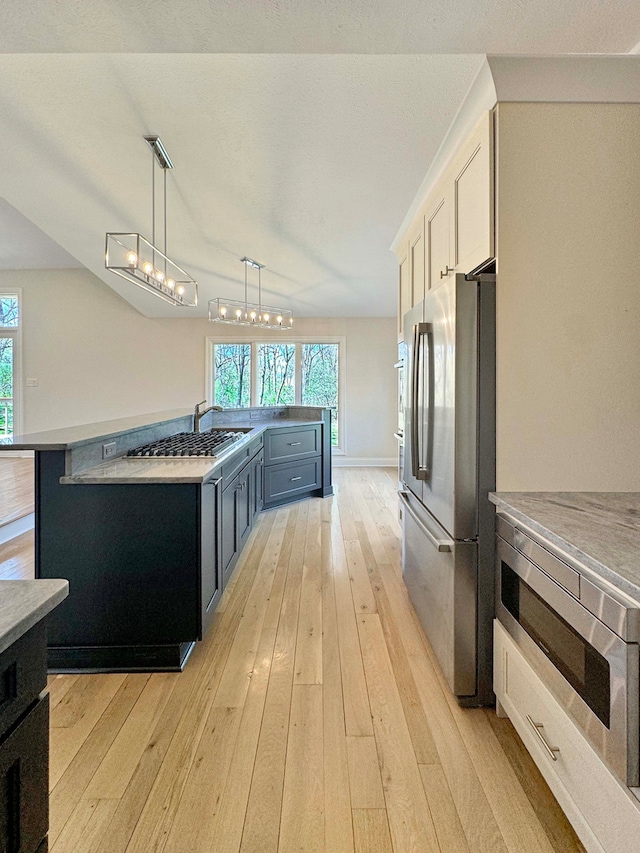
[449, 469]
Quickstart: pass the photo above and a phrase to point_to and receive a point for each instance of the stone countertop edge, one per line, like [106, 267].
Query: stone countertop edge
[70, 437]
[589, 527]
[24, 603]
[178, 469]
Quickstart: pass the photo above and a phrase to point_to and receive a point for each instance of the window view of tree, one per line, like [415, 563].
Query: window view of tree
[283, 374]
[320, 380]
[8, 311]
[6, 387]
[232, 375]
[276, 365]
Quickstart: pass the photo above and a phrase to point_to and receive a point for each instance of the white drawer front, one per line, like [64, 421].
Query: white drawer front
[603, 812]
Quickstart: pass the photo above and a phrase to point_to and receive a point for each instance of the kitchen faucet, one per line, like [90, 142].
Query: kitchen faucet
[198, 415]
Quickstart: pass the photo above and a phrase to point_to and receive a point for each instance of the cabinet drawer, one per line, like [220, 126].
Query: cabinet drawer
[296, 443]
[601, 809]
[256, 445]
[23, 675]
[231, 468]
[291, 478]
[24, 782]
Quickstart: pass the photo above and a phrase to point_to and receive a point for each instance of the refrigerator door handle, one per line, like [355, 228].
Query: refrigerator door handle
[439, 544]
[422, 331]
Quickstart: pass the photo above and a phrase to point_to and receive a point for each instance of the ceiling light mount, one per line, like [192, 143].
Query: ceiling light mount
[238, 313]
[133, 257]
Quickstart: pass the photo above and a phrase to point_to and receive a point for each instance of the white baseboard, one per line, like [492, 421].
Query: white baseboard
[364, 462]
[16, 528]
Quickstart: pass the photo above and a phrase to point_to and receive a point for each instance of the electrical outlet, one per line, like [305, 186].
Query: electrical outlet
[109, 450]
[254, 415]
[32, 383]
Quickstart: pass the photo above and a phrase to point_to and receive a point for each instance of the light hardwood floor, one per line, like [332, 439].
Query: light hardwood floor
[312, 718]
[16, 488]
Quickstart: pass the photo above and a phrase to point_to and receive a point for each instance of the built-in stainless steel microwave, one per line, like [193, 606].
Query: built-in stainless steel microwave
[580, 635]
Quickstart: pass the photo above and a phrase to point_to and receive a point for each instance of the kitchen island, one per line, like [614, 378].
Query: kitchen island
[566, 651]
[149, 544]
[24, 712]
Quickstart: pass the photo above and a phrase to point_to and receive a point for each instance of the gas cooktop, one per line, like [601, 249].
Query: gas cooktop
[190, 443]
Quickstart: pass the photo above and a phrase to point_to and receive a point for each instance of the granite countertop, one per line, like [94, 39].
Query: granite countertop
[601, 530]
[178, 469]
[68, 437]
[24, 603]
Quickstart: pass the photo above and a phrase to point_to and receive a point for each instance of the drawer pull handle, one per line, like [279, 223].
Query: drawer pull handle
[551, 750]
[294, 443]
[293, 479]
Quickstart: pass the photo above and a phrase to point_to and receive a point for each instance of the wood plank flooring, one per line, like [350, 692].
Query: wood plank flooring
[312, 717]
[16, 488]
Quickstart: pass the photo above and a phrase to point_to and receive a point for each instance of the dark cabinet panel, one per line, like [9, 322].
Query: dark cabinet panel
[229, 527]
[210, 563]
[286, 445]
[291, 479]
[258, 483]
[23, 675]
[24, 782]
[245, 507]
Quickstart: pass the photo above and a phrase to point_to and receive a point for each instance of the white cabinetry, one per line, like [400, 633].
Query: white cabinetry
[605, 815]
[439, 235]
[454, 228]
[472, 185]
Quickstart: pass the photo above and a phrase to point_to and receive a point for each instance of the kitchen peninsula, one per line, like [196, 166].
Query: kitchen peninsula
[149, 544]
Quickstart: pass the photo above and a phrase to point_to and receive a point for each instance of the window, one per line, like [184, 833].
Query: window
[320, 380]
[9, 343]
[276, 365]
[264, 372]
[232, 375]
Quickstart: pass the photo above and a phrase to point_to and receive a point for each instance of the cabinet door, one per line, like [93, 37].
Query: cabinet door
[244, 506]
[416, 262]
[473, 199]
[229, 526]
[24, 782]
[258, 484]
[404, 291]
[210, 568]
[439, 237]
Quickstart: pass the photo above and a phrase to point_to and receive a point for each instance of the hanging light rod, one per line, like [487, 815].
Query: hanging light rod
[133, 257]
[238, 313]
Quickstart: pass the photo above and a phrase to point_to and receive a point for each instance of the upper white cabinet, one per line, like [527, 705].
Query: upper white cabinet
[404, 289]
[454, 229]
[417, 261]
[472, 184]
[439, 234]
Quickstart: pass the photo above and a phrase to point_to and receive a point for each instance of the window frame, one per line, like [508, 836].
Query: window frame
[298, 341]
[15, 332]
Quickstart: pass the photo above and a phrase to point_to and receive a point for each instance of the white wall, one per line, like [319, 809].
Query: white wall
[568, 299]
[95, 358]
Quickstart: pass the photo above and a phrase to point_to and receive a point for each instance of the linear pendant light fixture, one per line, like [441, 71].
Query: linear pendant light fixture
[237, 313]
[134, 258]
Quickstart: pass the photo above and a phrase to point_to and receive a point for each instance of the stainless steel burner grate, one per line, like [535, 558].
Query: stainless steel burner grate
[190, 444]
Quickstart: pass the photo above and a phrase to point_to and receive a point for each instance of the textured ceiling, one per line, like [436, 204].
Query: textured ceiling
[300, 129]
[320, 26]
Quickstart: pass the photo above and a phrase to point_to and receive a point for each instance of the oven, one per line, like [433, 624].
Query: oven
[580, 635]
